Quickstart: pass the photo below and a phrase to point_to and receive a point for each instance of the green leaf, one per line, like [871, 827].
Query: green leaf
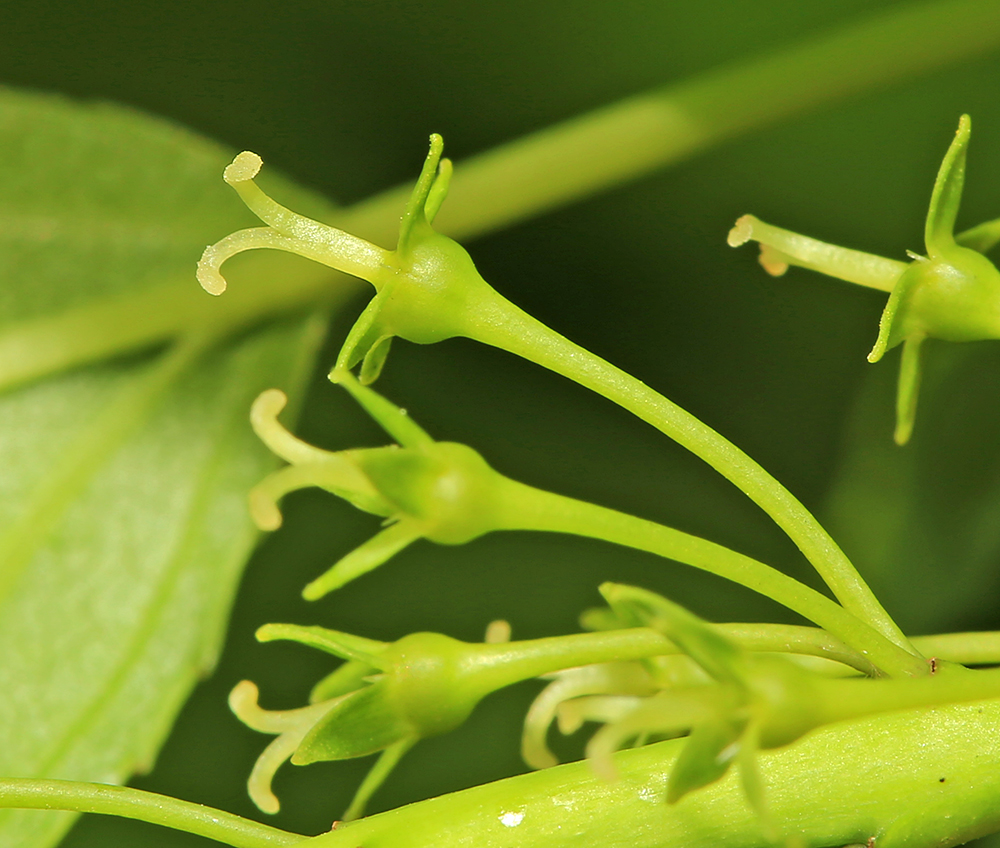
[122, 603]
[123, 519]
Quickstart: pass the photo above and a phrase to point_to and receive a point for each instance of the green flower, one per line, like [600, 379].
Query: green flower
[751, 702]
[427, 289]
[386, 697]
[440, 491]
[951, 293]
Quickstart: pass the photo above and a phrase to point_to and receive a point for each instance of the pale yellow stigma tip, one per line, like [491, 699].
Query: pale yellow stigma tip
[267, 405]
[264, 511]
[209, 277]
[243, 700]
[244, 167]
[742, 232]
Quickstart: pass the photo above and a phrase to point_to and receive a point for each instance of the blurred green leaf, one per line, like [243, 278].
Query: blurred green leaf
[123, 519]
[104, 212]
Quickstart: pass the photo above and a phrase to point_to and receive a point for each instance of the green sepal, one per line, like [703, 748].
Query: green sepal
[374, 361]
[982, 237]
[426, 197]
[343, 645]
[753, 783]
[908, 388]
[599, 619]
[946, 196]
[363, 723]
[395, 421]
[366, 557]
[722, 658]
[707, 755]
[890, 331]
[366, 342]
[439, 190]
[376, 776]
[346, 678]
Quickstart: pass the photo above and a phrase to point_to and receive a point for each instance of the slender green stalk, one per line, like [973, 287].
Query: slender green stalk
[516, 661]
[535, 509]
[847, 699]
[544, 170]
[513, 330]
[78, 797]
[795, 639]
[781, 248]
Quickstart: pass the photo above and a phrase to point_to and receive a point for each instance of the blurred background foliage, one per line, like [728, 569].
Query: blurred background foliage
[341, 96]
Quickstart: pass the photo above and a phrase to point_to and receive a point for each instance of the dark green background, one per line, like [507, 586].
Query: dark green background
[342, 95]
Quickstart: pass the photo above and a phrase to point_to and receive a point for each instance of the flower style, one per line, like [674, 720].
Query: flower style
[952, 293]
[427, 289]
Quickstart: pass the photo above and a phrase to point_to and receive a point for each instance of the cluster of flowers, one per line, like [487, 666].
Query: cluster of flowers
[647, 669]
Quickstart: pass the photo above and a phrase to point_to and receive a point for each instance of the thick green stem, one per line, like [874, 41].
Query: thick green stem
[503, 325]
[622, 141]
[29, 793]
[544, 170]
[919, 778]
